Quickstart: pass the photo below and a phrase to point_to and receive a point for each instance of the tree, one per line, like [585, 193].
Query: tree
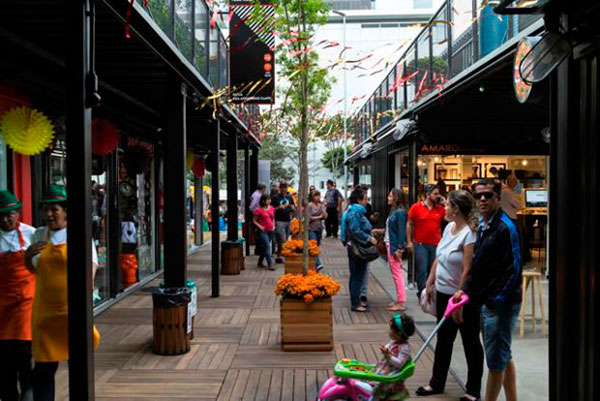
[308, 85]
[334, 159]
[277, 152]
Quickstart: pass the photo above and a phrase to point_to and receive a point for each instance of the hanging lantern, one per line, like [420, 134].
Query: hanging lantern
[189, 160]
[105, 137]
[199, 167]
[26, 130]
[138, 160]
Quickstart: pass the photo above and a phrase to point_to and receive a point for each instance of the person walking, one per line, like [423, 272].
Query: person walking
[448, 274]
[47, 257]
[423, 232]
[284, 206]
[315, 226]
[494, 284]
[333, 202]
[264, 220]
[17, 288]
[356, 229]
[395, 240]
[254, 204]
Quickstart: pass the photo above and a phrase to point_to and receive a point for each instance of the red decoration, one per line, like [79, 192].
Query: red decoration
[199, 167]
[105, 137]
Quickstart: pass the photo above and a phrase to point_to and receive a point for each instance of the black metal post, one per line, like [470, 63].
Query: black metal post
[449, 18]
[254, 171]
[247, 192]
[198, 216]
[214, 208]
[79, 204]
[232, 186]
[175, 246]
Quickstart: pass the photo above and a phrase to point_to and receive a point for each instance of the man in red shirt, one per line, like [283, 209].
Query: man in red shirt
[424, 232]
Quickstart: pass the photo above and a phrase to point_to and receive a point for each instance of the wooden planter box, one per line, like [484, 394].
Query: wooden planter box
[306, 327]
[293, 264]
[232, 257]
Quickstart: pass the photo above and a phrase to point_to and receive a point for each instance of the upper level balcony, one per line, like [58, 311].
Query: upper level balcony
[460, 33]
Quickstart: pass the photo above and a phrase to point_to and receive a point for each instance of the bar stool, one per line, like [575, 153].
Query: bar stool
[535, 279]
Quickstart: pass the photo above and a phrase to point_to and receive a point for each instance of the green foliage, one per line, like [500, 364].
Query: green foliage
[334, 159]
[274, 149]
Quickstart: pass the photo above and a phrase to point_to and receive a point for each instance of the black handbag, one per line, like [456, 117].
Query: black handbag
[363, 253]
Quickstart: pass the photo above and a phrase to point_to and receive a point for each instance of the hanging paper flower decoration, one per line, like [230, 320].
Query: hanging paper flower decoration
[26, 130]
[105, 137]
[138, 160]
[199, 167]
[189, 160]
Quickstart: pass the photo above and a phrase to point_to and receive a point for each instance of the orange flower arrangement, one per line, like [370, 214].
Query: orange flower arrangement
[295, 227]
[310, 287]
[296, 246]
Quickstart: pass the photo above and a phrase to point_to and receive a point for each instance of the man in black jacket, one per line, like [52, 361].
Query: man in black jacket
[494, 285]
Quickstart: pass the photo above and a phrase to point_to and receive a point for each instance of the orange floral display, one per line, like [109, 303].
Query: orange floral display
[310, 287]
[295, 228]
[295, 247]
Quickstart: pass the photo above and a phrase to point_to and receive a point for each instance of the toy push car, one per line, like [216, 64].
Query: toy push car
[350, 377]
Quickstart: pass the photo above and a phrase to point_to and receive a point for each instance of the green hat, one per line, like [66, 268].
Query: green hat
[54, 194]
[9, 202]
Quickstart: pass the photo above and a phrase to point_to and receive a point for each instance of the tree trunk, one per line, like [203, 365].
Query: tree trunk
[302, 193]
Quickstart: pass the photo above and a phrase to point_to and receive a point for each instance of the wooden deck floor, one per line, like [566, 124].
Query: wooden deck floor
[236, 354]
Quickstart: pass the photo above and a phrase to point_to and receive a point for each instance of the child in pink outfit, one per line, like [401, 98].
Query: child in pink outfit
[395, 239]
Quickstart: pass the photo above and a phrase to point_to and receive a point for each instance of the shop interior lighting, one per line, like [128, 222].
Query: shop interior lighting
[524, 162]
[547, 52]
[505, 7]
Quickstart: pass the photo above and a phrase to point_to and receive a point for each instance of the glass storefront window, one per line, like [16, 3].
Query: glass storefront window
[136, 212]
[100, 226]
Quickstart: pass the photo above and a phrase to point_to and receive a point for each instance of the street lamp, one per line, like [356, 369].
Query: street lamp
[344, 146]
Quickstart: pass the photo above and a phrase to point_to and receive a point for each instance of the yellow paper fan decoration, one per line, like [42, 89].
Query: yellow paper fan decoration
[189, 160]
[26, 130]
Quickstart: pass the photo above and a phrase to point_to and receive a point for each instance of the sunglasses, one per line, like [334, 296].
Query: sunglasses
[486, 195]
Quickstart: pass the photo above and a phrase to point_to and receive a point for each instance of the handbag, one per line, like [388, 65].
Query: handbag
[363, 253]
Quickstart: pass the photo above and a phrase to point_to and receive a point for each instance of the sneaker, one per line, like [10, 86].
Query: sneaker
[271, 267]
[278, 260]
[319, 268]
[260, 264]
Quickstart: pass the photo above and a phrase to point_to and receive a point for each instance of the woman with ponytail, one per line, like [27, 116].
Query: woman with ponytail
[449, 272]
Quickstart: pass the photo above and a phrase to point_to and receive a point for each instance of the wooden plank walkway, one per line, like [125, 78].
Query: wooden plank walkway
[236, 354]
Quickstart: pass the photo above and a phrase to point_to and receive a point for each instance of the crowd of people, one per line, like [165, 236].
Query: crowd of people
[462, 242]
[33, 297]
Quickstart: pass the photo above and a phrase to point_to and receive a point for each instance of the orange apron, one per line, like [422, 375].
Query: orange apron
[17, 287]
[50, 308]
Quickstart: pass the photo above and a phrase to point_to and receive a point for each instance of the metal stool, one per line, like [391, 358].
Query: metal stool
[535, 279]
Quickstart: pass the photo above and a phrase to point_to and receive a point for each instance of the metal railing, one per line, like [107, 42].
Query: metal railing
[459, 34]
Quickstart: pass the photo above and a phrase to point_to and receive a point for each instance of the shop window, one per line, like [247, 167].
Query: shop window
[100, 220]
[136, 212]
[423, 3]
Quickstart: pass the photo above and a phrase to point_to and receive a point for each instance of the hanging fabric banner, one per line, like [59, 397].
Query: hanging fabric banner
[252, 54]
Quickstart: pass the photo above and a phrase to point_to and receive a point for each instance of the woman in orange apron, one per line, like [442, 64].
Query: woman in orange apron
[48, 258]
[17, 286]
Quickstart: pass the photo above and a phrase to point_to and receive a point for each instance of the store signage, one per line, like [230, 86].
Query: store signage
[445, 148]
[522, 88]
[252, 52]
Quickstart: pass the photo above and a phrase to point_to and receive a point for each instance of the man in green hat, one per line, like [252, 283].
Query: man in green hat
[17, 288]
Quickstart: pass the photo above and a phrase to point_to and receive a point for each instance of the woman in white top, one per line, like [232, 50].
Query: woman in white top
[449, 272]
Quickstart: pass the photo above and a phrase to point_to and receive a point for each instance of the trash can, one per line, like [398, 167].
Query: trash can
[232, 257]
[170, 320]
[192, 306]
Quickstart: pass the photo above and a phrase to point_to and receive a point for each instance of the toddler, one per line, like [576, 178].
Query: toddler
[395, 355]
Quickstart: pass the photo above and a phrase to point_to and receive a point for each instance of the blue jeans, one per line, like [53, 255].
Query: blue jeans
[317, 236]
[357, 276]
[282, 230]
[265, 237]
[497, 326]
[424, 257]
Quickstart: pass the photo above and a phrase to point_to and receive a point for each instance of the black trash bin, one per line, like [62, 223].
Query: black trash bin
[170, 320]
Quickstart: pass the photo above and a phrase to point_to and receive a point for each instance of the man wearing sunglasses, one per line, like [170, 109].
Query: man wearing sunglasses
[494, 284]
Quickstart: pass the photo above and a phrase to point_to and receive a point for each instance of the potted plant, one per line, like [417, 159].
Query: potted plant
[306, 311]
[292, 252]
